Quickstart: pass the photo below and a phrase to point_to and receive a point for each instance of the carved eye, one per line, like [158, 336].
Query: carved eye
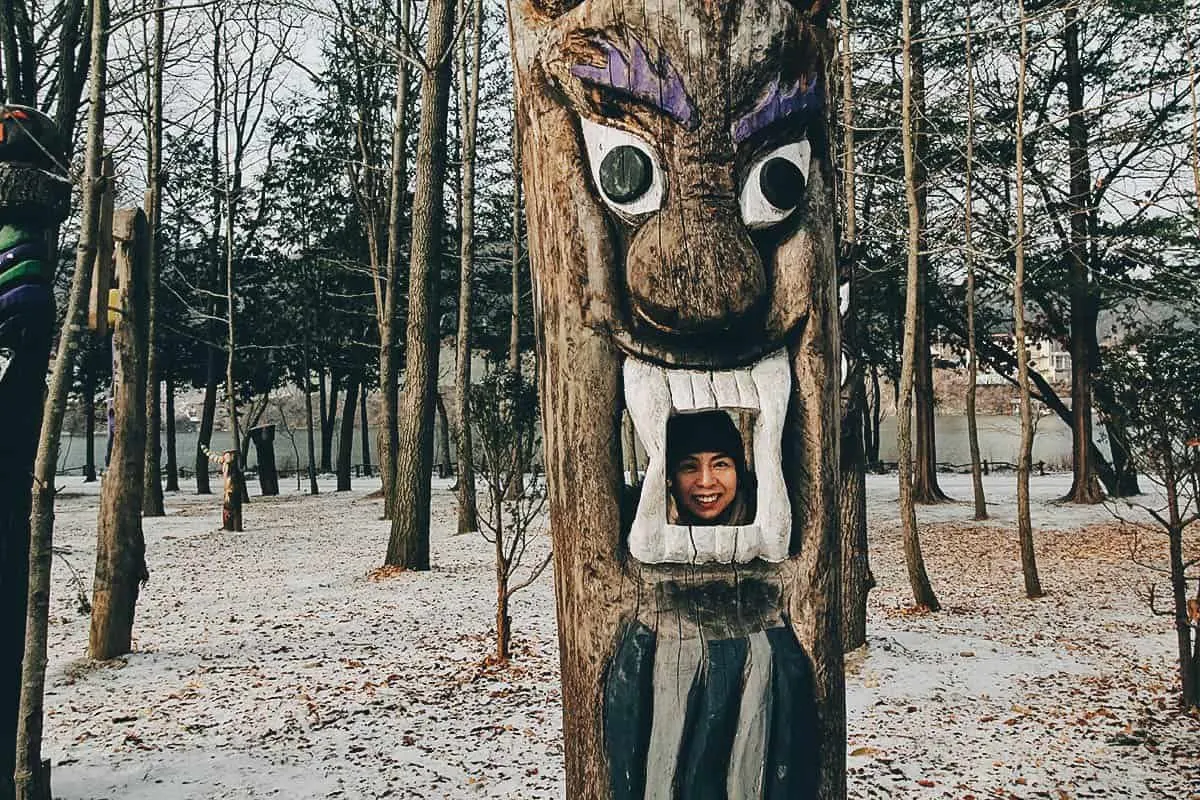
[775, 185]
[625, 174]
[624, 168]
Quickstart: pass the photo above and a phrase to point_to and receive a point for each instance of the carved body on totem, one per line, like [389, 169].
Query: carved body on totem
[33, 200]
[679, 203]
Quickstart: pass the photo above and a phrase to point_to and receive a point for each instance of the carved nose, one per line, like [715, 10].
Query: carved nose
[694, 270]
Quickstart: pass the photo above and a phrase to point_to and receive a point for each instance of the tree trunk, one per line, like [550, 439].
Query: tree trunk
[514, 324]
[209, 413]
[503, 620]
[875, 422]
[409, 542]
[172, 459]
[27, 322]
[31, 775]
[918, 579]
[153, 493]
[326, 411]
[346, 435]
[263, 437]
[1085, 488]
[328, 424]
[120, 546]
[89, 429]
[925, 484]
[445, 470]
[468, 513]
[646, 621]
[364, 426]
[389, 361]
[1033, 586]
[231, 389]
[517, 487]
[857, 580]
[1189, 680]
[308, 414]
[969, 257]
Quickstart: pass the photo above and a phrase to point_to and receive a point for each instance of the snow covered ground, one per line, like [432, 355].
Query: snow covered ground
[277, 663]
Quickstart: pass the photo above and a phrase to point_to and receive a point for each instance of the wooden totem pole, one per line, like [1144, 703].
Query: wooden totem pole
[680, 208]
[33, 200]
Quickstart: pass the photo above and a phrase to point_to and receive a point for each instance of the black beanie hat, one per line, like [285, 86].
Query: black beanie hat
[705, 432]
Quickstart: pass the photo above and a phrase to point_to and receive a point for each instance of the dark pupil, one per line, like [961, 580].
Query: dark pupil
[782, 183]
[625, 174]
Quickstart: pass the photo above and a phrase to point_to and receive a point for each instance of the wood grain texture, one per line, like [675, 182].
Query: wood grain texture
[120, 546]
[601, 284]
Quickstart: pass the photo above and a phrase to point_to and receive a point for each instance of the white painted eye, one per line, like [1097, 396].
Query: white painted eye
[624, 169]
[775, 185]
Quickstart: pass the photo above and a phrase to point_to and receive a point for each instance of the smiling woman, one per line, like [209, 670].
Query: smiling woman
[709, 482]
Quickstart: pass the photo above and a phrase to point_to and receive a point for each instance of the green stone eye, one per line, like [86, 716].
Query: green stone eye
[782, 183]
[625, 174]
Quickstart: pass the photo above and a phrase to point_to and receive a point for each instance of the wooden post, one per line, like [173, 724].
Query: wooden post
[235, 482]
[696, 659]
[264, 448]
[120, 547]
[102, 268]
[32, 201]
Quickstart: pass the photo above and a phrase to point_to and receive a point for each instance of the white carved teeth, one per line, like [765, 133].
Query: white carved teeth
[652, 395]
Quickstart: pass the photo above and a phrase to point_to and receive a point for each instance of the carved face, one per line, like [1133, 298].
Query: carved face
[680, 229]
[693, 128]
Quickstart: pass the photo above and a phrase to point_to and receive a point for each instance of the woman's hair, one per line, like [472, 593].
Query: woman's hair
[706, 432]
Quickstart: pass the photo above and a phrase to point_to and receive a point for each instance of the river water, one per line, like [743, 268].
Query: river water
[999, 440]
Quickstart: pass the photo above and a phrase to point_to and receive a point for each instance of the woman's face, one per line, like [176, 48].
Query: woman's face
[705, 484]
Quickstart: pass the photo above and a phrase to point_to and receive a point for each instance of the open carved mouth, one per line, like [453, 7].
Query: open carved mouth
[653, 394]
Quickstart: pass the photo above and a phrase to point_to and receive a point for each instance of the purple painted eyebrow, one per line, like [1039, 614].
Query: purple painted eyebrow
[779, 103]
[632, 72]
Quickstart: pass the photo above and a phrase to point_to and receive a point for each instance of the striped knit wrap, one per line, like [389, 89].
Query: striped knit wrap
[696, 708]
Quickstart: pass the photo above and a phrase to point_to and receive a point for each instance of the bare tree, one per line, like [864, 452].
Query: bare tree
[922, 590]
[925, 482]
[514, 324]
[969, 257]
[468, 71]
[152, 502]
[504, 409]
[1033, 587]
[1155, 393]
[346, 434]
[387, 286]
[1192, 80]
[857, 579]
[1085, 488]
[254, 47]
[408, 545]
